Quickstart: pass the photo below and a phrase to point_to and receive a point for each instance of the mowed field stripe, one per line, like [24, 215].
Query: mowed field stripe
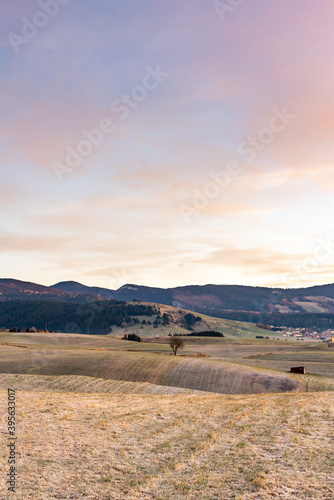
[158, 369]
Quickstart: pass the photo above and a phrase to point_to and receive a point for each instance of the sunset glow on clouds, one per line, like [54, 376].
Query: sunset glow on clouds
[185, 94]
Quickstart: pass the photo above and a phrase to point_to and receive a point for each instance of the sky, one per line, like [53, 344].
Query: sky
[167, 143]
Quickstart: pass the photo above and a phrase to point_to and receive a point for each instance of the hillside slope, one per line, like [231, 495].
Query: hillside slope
[153, 368]
[81, 384]
[206, 298]
[308, 307]
[212, 299]
[78, 288]
[11, 289]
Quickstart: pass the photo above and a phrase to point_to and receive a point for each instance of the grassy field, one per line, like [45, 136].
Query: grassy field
[131, 447]
[232, 365]
[103, 418]
[277, 355]
[82, 384]
[159, 369]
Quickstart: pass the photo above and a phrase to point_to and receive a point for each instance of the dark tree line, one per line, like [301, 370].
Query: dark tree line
[132, 336]
[93, 318]
[206, 333]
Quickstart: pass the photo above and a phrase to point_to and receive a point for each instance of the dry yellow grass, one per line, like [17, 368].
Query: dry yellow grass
[102, 446]
[173, 371]
[78, 383]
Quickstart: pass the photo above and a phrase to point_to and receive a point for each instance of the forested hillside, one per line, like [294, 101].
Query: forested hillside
[96, 317]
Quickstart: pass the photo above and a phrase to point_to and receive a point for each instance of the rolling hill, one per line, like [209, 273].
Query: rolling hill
[120, 362]
[311, 307]
[73, 287]
[11, 289]
[208, 299]
[215, 299]
[103, 418]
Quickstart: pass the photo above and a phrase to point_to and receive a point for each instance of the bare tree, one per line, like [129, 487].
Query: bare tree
[176, 343]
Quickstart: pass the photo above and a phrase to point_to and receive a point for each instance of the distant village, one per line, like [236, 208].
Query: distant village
[301, 333]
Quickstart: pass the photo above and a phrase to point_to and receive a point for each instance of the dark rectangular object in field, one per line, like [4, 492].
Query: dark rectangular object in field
[297, 369]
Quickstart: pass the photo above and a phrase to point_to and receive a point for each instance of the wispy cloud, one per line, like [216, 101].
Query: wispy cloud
[119, 209]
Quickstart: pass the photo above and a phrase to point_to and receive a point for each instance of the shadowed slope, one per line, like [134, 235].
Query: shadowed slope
[78, 383]
[173, 371]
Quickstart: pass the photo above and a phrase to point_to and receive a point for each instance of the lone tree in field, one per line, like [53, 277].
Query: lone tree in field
[176, 343]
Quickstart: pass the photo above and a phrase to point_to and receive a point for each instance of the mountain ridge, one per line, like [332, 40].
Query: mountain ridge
[209, 299]
[13, 289]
